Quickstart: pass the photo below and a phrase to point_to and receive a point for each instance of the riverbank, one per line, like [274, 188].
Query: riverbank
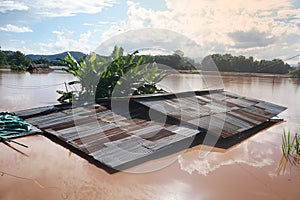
[5, 67]
[245, 74]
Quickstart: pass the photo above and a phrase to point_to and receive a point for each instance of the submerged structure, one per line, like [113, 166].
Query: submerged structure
[39, 68]
[117, 137]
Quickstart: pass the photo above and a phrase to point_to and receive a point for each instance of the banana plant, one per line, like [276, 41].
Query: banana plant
[98, 75]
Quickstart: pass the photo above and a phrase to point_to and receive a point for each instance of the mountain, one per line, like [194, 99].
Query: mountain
[77, 55]
[295, 65]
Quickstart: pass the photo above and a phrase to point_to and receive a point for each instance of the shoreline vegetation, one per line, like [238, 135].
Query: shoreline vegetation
[226, 64]
[245, 74]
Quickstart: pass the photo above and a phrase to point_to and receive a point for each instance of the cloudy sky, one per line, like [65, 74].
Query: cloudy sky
[264, 29]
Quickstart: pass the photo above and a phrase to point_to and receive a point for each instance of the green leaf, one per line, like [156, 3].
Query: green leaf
[60, 92]
[92, 58]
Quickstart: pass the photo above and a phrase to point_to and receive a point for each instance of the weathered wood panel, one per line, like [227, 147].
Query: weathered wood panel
[118, 138]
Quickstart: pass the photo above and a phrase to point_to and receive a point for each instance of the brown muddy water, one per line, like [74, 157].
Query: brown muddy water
[249, 170]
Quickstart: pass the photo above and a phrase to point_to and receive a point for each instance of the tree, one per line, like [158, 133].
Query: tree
[17, 60]
[42, 61]
[3, 59]
[230, 63]
[179, 53]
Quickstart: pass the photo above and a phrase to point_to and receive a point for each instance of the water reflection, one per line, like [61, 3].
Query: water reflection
[249, 153]
[24, 90]
[287, 164]
[188, 82]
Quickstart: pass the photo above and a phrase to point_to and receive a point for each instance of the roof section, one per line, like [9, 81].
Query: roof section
[153, 124]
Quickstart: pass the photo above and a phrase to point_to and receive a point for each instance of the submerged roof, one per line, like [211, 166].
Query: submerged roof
[120, 138]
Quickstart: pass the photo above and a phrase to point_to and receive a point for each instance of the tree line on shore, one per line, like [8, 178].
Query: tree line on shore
[230, 63]
[16, 60]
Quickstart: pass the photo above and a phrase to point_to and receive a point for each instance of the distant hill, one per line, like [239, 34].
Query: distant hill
[77, 55]
[295, 65]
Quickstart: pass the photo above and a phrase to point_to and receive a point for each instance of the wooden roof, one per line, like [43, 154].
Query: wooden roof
[119, 140]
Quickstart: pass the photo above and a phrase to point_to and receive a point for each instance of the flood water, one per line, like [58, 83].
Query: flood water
[249, 170]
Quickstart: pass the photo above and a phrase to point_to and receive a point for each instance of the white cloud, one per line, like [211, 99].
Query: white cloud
[103, 22]
[250, 39]
[56, 8]
[17, 41]
[16, 29]
[87, 24]
[64, 8]
[23, 47]
[6, 6]
[66, 41]
[100, 23]
[150, 39]
[223, 26]
[84, 37]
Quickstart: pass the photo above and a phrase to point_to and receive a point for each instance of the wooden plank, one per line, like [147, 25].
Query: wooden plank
[184, 131]
[205, 99]
[44, 118]
[256, 101]
[99, 143]
[232, 95]
[228, 105]
[164, 142]
[126, 150]
[109, 131]
[258, 112]
[132, 139]
[251, 115]
[243, 118]
[188, 102]
[135, 125]
[184, 116]
[32, 111]
[57, 122]
[244, 125]
[228, 128]
[118, 158]
[92, 148]
[54, 120]
[121, 157]
[240, 102]
[156, 135]
[270, 107]
[71, 123]
[216, 124]
[150, 127]
[83, 130]
[167, 105]
[217, 96]
[215, 108]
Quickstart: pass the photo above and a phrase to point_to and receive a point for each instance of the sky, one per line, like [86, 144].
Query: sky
[264, 29]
